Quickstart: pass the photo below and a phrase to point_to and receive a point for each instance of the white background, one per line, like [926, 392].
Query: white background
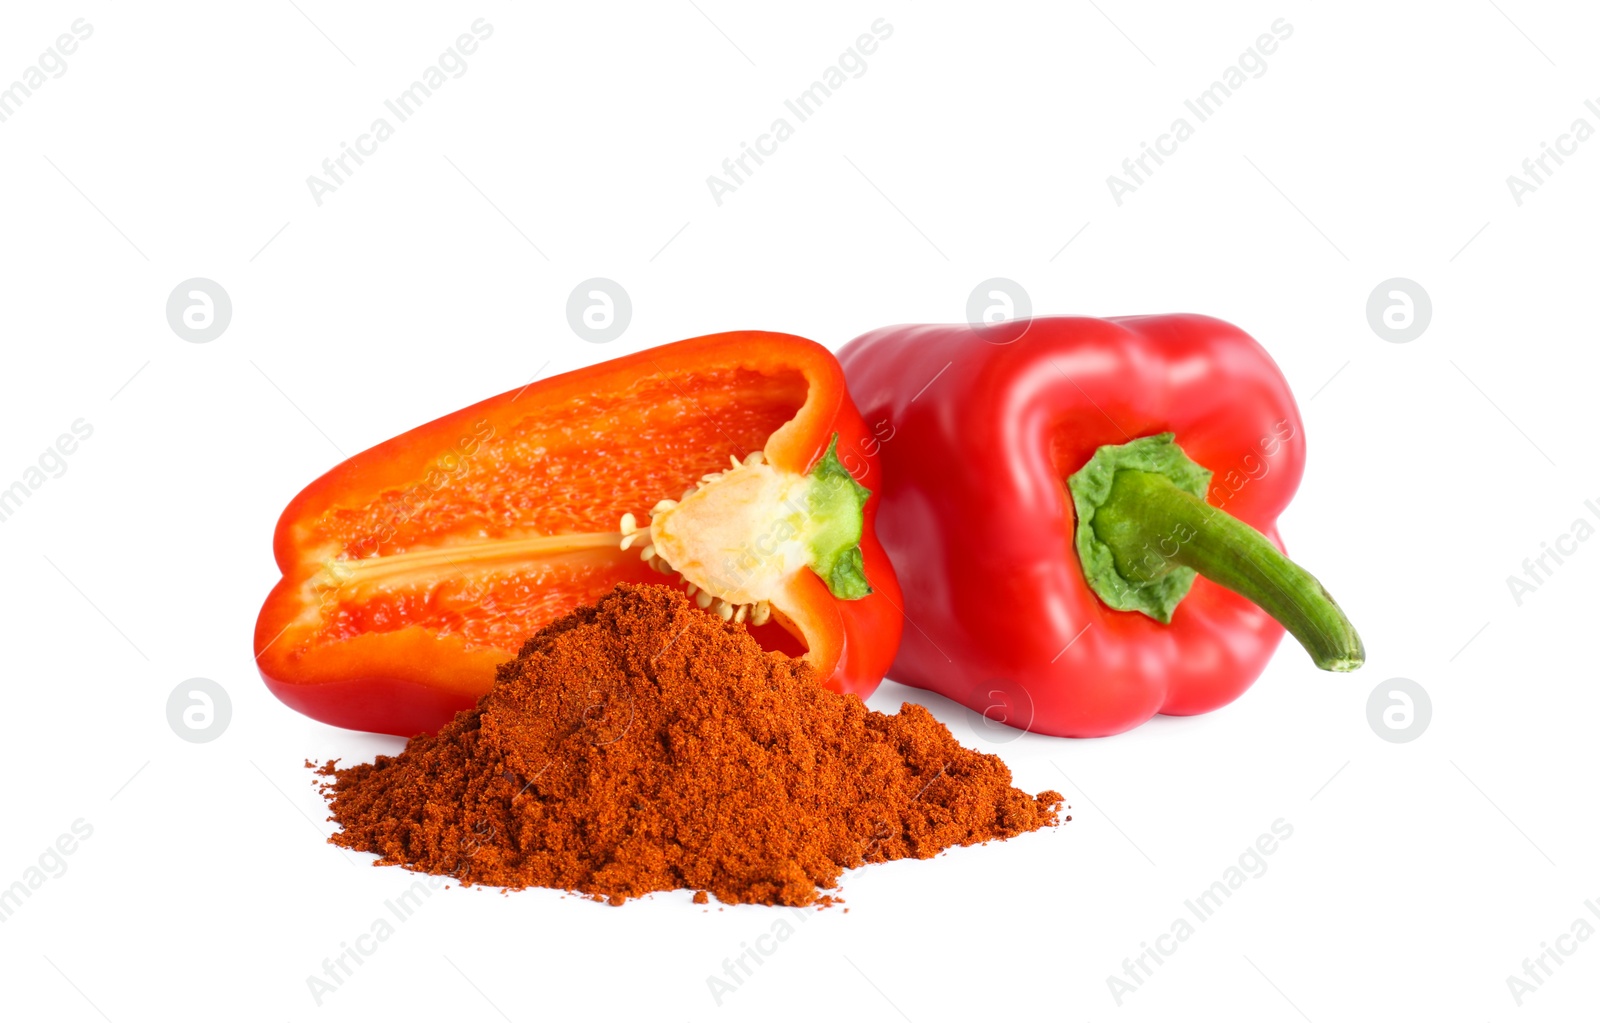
[976, 144]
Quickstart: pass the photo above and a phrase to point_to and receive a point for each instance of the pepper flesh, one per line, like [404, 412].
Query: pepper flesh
[411, 570]
[979, 429]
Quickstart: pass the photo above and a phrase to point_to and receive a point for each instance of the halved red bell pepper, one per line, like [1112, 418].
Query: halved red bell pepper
[414, 568]
[1053, 488]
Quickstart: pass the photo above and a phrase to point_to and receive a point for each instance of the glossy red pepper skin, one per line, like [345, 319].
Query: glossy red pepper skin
[976, 439]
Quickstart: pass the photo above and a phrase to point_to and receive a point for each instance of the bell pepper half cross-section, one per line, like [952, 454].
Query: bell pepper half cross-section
[1083, 514]
[411, 570]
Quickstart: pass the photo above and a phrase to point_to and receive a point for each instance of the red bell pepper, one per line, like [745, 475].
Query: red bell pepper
[1052, 490]
[414, 568]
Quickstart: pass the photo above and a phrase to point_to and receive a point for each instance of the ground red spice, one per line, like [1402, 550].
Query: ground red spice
[645, 745]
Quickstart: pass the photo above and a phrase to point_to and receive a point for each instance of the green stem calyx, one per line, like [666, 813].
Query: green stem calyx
[1145, 531]
[837, 504]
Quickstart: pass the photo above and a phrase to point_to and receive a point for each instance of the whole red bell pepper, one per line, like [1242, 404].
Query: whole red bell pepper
[1053, 498]
[412, 569]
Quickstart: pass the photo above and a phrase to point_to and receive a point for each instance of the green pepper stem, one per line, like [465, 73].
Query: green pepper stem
[1153, 527]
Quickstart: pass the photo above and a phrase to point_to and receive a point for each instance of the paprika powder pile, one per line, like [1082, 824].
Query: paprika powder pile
[642, 744]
